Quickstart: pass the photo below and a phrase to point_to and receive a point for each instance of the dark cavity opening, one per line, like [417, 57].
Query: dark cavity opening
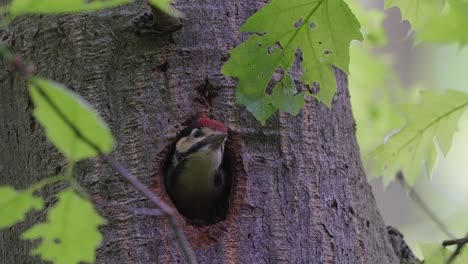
[219, 211]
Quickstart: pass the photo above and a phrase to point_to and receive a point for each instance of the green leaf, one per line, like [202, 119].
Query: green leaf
[436, 254]
[285, 96]
[71, 233]
[165, 6]
[435, 119]
[417, 12]
[15, 204]
[51, 99]
[321, 29]
[22, 7]
[449, 26]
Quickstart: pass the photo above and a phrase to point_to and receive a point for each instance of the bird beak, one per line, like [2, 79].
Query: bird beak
[215, 141]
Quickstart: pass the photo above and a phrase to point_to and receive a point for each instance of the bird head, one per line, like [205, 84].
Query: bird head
[203, 135]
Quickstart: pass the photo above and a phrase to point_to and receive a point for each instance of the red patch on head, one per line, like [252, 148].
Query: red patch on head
[213, 124]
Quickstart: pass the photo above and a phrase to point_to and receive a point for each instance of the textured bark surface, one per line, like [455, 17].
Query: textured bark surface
[300, 193]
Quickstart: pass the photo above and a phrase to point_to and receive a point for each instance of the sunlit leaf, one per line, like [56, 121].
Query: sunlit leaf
[15, 204]
[21, 7]
[71, 233]
[436, 254]
[51, 99]
[436, 119]
[321, 29]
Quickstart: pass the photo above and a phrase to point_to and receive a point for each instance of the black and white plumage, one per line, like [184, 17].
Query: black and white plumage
[195, 180]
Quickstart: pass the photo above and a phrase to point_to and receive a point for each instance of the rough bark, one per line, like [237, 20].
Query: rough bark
[300, 194]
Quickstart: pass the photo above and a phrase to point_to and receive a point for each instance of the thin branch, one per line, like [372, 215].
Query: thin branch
[136, 211]
[44, 182]
[420, 202]
[166, 209]
[119, 168]
[460, 243]
[28, 70]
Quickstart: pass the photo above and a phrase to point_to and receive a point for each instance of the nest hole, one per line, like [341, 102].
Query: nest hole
[220, 212]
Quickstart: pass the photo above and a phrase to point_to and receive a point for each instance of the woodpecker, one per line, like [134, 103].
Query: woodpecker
[195, 179]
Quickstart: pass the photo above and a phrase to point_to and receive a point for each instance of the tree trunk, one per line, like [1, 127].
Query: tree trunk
[300, 194]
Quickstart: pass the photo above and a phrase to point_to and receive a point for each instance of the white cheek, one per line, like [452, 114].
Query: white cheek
[218, 157]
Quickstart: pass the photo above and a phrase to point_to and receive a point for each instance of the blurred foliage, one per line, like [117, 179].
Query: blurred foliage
[413, 147]
[27, 7]
[441, 21]
[373, 85]
[449, 25]
[371, 24]
[417, 12]
[380, 106]
[165, 6]
[436, 254]
[23, 7]
[374, 89]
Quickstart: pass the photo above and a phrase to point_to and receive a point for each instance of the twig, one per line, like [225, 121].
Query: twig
[44, 182]
[28, 70]
[123, 207]
[460, 242]
[165, 209]
[168, 211]
[417, 199]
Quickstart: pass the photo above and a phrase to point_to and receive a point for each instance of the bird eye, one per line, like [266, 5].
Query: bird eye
[197, 133]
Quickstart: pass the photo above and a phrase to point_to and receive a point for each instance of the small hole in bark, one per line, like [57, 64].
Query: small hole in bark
[163, 67]
[32, 124]
[224, 58]
[58, 169]
[206, 92]
[187, 204]
[249, 236]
